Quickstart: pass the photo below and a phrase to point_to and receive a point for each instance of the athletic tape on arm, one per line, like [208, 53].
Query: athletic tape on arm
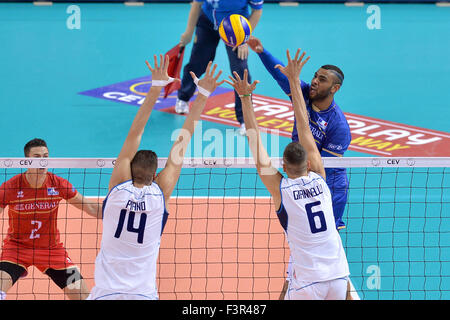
[201, 90]
[162, 83]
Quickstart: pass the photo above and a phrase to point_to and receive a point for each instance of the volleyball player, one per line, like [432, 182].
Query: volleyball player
[33, 238]
[328, 124]
[135, 210]
[303, 199]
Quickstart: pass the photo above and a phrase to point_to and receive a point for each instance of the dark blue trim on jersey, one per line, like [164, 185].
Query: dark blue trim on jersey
[106, 198]
[166, 213]
[164, 220]
[304, 184]
[281, 212]
[283, 217]
[281, 194]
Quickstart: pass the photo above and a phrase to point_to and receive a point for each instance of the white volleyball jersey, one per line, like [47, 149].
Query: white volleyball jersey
[306, 214]
[133, 221]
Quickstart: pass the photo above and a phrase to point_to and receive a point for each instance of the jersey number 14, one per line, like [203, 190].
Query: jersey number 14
[130, 224]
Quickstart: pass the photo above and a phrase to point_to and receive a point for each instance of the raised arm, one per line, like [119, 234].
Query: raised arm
[168, 177]
[269, 61]
[305, 137]
[194, 13]
[160, 78]
[92, 208]
[269, 175]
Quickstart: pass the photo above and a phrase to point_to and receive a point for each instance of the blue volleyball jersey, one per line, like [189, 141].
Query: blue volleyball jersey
[217, 10]
[330, 130]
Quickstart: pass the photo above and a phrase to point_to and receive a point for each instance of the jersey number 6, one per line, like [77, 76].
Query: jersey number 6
[316, 219]
[130, 224]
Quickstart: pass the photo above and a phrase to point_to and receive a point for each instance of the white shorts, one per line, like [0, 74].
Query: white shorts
[326, 290]
[103, 294]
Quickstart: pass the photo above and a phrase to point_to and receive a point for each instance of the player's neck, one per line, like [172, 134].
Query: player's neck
[323, 104]
[296, 176]
[140, 185]
[35, 179]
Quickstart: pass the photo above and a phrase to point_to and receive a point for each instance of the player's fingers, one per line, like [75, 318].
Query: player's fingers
[166, 62]
[305, 61]
[288, 54]
[208, 67]
[253, 86]
[246, 76]
[230, 83]
[236, 75]
[302, 56]
[218, 75]
[161, 61]
[279, 66]
[193, 75]
[155, 58]
[221, 83]
[149, 66]
[213, 70]
[296, 54]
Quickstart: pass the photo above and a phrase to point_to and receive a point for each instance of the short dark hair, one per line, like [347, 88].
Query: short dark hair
[36, 142]
[143, 166]
[294, 157]
[338, 72]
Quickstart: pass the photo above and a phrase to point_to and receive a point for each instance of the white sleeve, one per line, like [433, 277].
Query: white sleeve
[289, 269]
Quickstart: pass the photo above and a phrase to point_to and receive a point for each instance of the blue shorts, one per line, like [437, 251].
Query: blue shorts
[339, 202]
[338, 183]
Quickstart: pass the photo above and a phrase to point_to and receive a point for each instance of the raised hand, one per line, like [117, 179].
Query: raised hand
[209, 81]
[242, 51]
[294, 66]
[255, 44]
[242, 87]
[160, 77]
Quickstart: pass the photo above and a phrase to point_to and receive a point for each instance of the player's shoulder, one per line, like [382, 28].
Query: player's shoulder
[315, 177]
[15, 180]
[155, 186]
[337, 120]
[339, 114]
[54, 178]
[124, 185]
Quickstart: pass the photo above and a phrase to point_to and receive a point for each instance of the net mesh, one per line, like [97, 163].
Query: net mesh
[223, 239]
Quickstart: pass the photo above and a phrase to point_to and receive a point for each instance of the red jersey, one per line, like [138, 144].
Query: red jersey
[33, 211]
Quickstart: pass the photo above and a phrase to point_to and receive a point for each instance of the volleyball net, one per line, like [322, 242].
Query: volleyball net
[223, 240]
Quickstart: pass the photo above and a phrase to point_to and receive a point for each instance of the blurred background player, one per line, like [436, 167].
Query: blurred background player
[205, 18]
[319, 264]
[328, 124]
[33, 238]
[134, 212]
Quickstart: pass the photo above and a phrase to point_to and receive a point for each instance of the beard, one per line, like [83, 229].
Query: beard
[319, 95]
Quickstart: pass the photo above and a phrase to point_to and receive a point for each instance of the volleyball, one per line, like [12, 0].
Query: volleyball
[235, 30]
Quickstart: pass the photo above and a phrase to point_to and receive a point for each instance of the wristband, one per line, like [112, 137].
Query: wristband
[245, 95]
[162, 83]
[201, 90]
